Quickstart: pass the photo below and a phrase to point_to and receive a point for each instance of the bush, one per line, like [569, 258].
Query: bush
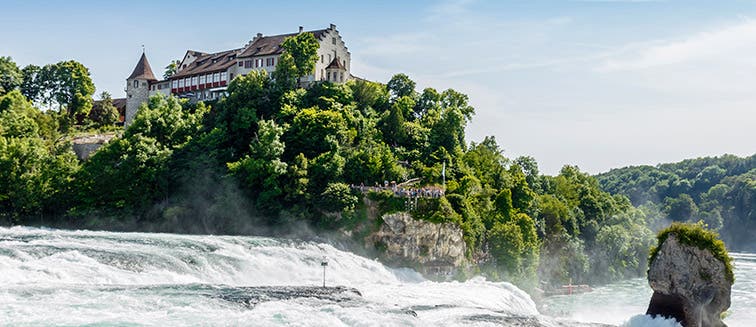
[700, 237]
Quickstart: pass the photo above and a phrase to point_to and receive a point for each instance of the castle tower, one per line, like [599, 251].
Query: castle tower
[138, 88]
[336, 72]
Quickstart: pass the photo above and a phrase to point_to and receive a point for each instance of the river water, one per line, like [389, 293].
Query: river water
[75, 278]
[613, 304]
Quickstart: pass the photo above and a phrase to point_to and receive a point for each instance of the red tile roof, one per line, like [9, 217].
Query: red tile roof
[208, 63]
[270, 45]
[143, 70]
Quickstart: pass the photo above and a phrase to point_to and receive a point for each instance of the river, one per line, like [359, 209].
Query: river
[75, 278]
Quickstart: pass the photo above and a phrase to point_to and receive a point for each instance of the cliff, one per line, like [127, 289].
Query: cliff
[437, 249]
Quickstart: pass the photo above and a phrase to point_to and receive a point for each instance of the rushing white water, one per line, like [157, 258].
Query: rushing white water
[619, 301]
[56, 277]
[72, 278]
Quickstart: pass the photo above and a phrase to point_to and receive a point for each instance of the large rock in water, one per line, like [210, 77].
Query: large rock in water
[436, 248]
[689, 284]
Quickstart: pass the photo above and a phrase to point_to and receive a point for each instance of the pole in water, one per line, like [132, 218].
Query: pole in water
[324, 264]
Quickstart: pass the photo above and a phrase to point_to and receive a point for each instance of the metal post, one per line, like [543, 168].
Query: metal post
[324, 264]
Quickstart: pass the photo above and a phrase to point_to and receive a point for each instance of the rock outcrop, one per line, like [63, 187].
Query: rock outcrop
[435, 248]
[690, 284]
[85, 146]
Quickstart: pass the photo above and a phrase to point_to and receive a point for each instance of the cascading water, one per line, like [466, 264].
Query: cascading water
[57, 277]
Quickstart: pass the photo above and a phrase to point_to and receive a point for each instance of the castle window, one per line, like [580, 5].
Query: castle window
[241, 63]
[175, 84]
[136, 84]
[223, 76]
[321, 59]
[216, 77]
[202, 79]
[329, 76]
[333, 40]
[181, 83]
[194, 81]
[341, 77]
[270, 61]
[248, 64]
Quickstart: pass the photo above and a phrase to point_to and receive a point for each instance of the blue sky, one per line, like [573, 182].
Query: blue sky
[595, 83]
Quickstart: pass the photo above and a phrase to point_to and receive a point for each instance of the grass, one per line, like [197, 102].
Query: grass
[700, 237]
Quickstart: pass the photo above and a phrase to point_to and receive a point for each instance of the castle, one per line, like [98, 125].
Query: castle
[204, 76]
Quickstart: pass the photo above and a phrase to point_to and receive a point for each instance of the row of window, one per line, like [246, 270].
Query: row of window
[197, 80]
[335, 77]
[257, 63]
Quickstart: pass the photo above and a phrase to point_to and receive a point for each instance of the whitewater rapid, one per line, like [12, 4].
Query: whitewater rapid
[57, 277]
[74, 278]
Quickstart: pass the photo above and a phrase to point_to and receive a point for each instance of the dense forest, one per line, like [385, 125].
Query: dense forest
[273, 156]
[720, 191]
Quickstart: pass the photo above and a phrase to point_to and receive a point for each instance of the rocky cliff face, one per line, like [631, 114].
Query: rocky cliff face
[85, 146]
[689, 284]
[438, 249]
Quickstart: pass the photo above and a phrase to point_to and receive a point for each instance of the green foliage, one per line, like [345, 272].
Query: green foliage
[314, 131]
[273, 154]
[337, 197]
[401, 85]
[303, 49]
[709, 189]
[104, 113]
[696, 235]
[66, 84]
[11, 76]
[171, 68]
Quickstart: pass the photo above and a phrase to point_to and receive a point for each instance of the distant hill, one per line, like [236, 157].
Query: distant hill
[721, 191]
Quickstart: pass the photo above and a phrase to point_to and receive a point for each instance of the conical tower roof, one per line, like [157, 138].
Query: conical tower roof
[143, 70]
[335, 64]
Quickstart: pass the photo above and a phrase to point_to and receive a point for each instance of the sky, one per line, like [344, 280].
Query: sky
[600, 84]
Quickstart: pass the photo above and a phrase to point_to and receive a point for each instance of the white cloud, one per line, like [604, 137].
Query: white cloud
[721, 44]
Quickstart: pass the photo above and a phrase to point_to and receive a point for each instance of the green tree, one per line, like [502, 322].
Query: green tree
[313, 132]
[392, 123]
[11, 76]
[337, 197]
[260, 170]
[104, 113]
[29, 83]
[171, 68]
[66, 84]
[303, 49]
[400, 85]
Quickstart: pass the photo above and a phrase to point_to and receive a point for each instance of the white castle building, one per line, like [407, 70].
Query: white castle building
[204, 76]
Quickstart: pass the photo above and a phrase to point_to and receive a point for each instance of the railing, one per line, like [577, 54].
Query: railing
[403, 192]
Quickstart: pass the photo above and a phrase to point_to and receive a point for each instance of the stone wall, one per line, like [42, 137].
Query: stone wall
[135, 96]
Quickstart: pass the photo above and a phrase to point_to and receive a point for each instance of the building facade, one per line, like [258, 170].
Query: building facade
[205, 76]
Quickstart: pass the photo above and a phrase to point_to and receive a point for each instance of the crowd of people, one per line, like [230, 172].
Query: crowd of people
[402, 191]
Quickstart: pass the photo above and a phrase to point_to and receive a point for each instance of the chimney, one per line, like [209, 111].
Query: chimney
[259, 35]
[301, 29]
[333, 26]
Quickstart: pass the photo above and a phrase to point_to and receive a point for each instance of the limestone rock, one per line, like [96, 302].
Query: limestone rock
[85, 146]
[437, 248]
[689, 284]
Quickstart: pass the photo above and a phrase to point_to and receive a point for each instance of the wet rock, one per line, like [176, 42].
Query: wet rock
[251, 296]
[437, 248]
[689, 284]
